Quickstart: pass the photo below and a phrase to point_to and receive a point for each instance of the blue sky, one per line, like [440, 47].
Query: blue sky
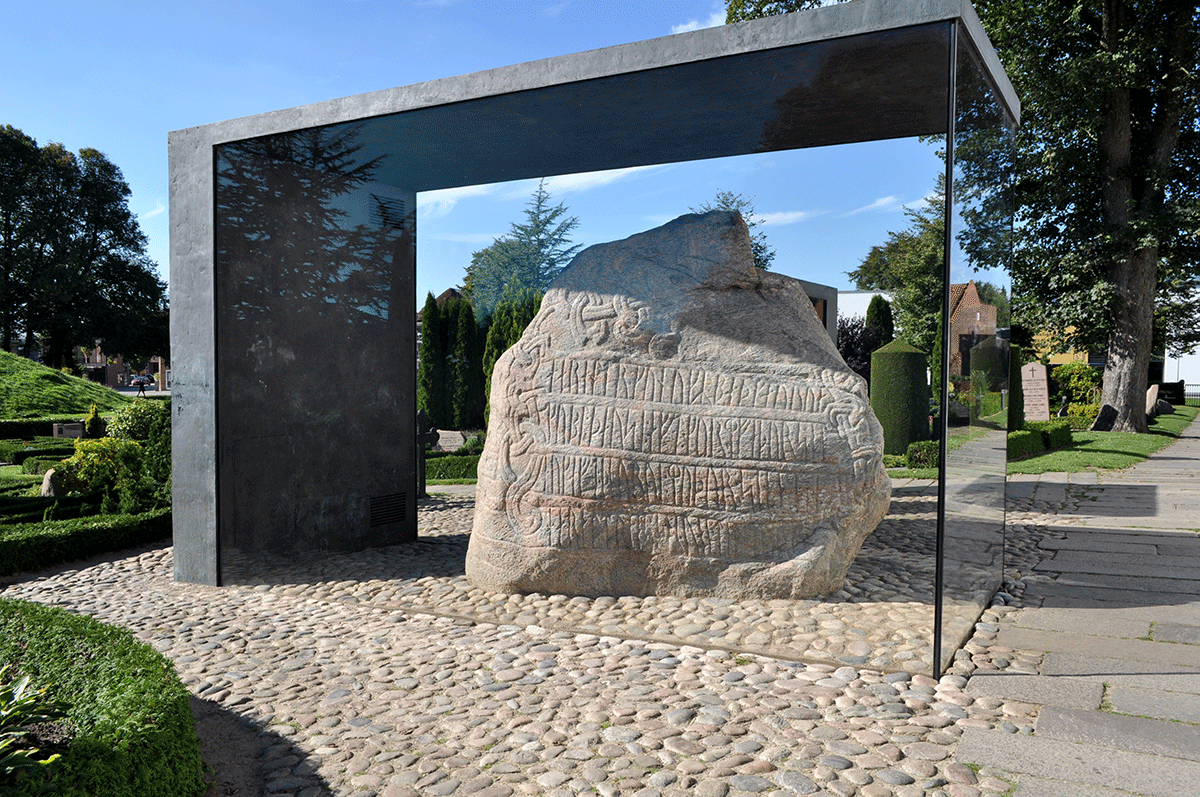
[118, 76]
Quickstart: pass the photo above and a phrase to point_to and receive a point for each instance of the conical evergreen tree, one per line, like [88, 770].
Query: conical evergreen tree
[431, 375]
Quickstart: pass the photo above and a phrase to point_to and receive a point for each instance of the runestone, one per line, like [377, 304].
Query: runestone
[675, 421]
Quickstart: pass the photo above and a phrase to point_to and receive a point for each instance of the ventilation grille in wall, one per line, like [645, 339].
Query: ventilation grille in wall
[389, 509]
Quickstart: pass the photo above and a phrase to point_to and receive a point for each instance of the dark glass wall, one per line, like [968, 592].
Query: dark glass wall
[976, 416]
[314, 273]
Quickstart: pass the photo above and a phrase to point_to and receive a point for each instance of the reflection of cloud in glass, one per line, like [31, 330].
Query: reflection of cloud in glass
[883, 204]
[435, 204]
[577, 183]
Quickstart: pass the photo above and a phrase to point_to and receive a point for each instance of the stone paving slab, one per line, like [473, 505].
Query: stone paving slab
[1062, 595]
[1034, 639]
[1120, 732]
[1177, 632]
[1125, 544]
[1154, 586]
[1169, 535]
[1099, 609]
[1095, 621]
[1058, 760]
[1079, 693]
[1040, 787]
[1163, 567]
[1123, 672]
[1156, 703]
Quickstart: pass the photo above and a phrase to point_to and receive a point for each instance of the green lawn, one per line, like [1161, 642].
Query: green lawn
[30, 390]
[1108, 450]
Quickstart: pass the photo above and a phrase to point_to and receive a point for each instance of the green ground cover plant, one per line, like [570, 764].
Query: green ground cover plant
[132, 732]
[31, 390]
[1108, 450]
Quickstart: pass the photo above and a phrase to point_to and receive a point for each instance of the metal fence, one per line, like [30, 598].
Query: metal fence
[1191, 395]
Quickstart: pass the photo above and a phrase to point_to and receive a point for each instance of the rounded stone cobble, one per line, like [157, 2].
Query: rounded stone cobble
[354, 692]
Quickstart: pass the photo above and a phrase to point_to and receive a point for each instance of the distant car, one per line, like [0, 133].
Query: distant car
[139, 381]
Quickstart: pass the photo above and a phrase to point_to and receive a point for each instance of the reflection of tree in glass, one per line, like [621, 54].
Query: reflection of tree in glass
[283, 218]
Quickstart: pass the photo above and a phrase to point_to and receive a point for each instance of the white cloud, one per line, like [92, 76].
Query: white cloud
[884, 204]
[160, 207]
[555, 10]
[715, 19]
[786, 217]
[434, 204]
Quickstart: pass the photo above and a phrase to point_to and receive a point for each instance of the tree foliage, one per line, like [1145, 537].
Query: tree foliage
[507, 325]
[909, 267]
[879, 318]
[856, 340]
[1108, 221]
[734, 202]
[526, 260]
[73, 264]
[450, 376]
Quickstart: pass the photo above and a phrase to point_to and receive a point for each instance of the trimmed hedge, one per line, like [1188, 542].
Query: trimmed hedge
[1024, 442]
[1055, 433]
[134, 731]
[17, 452]
[36, 545]
[452, 466]
[923, 454]
[900, 395]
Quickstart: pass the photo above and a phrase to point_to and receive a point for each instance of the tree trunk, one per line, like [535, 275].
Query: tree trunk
[1128, 363]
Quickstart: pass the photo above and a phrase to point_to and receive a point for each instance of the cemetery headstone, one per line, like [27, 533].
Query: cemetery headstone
[1037, 392]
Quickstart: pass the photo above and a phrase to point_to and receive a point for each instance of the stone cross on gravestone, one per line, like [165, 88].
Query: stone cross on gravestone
[1037, 392]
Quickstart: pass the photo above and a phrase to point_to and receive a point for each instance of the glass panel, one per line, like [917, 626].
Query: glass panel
[981, 221]
[314, 298]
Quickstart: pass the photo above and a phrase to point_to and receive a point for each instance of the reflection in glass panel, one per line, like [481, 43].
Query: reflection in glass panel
[314, 287]
[973, 543]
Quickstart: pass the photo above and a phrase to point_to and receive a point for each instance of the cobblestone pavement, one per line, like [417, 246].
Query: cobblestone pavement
[358, 693]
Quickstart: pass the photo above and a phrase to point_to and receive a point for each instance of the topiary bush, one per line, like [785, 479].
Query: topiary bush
[134, 735]
[93, 425]
[900, 395]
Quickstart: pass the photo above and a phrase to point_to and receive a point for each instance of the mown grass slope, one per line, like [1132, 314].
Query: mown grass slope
[30, 390]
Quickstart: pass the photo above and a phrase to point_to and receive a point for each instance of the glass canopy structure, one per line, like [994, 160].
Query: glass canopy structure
[293, 257]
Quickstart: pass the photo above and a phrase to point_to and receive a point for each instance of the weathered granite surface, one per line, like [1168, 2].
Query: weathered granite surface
[675, 421]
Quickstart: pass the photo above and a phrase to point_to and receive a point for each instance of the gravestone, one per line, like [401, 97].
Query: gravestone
[1151, 402]
[67, 430]
[675, 421]
[1037, 392]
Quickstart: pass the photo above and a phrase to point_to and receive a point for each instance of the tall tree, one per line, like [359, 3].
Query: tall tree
[431, 373]
[73, 265]
[527, 259]
[1107, 184]
[1107, 177]
[728, 200]
[879, 318]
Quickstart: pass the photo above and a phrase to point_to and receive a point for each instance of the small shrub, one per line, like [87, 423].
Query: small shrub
[1055, 433]
[891, 461]
[1079, 423]
[1089, 411]
[473, 444]
[134, 421]
[1078, 381]
[1024, 442]
[96, 464]
[93, 424]
[923, 454]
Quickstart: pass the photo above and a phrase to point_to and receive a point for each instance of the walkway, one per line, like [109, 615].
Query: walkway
[1112, 613]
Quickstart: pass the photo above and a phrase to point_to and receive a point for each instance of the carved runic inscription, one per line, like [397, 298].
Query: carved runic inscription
[636, 447]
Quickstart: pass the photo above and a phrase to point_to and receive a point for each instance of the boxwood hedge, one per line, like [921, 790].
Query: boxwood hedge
[452, 467]
[35, 545]
[1025, 442]
[134, 735]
